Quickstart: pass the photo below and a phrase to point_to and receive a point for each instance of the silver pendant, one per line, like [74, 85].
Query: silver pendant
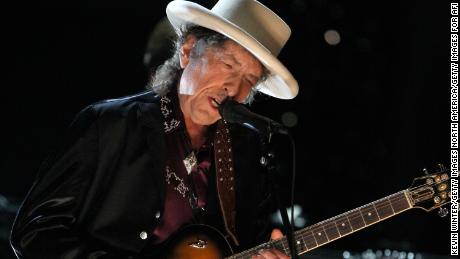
[190, 162]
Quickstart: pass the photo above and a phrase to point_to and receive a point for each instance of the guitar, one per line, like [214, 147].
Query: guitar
[428, 192]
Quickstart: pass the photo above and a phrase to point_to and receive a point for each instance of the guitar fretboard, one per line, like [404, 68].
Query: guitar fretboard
[334, 228]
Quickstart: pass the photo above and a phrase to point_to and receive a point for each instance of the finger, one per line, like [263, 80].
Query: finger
[280, 254]
[276, 234]
[267, 254]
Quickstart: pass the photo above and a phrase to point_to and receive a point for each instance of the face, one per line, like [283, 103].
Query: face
[212, 76]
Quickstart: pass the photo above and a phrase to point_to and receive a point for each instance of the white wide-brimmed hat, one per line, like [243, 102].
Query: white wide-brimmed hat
[250, 24]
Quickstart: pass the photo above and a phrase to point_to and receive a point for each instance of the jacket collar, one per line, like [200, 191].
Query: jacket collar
[150, 117]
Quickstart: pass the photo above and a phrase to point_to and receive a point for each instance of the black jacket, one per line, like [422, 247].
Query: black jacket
[106, 186]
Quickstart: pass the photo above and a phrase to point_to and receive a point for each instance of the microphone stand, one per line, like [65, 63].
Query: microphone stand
[234, 112]
[269, 162]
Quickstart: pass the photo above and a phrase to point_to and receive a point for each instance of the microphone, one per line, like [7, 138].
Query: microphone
[234, 112]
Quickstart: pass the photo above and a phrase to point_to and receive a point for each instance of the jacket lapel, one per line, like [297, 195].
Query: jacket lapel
[152, 120]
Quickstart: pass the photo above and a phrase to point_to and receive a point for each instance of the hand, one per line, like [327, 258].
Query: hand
[272, 253]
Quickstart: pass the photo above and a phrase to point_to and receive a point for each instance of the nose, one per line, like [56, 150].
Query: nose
[233, 87]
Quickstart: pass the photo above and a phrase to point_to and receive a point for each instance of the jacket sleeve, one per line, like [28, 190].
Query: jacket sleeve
[49, 223]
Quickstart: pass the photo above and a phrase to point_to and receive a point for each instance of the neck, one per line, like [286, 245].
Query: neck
[197, 133]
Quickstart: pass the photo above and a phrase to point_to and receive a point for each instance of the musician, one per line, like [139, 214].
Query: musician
[135, 170]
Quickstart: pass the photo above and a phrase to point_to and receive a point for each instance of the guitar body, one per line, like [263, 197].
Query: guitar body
[198, 242]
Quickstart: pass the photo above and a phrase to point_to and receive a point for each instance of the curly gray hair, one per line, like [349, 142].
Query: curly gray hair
[165, 77]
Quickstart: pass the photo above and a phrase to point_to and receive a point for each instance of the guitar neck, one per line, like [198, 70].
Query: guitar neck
[339, 226]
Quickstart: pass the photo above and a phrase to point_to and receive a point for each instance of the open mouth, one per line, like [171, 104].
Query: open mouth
[214, 103]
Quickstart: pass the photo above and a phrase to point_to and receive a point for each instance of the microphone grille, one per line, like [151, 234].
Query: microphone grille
[231, 110]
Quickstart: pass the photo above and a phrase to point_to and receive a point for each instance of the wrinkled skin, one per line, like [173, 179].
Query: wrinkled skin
[212, 74]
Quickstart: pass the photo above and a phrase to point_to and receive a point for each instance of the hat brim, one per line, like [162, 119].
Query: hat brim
[280, 83]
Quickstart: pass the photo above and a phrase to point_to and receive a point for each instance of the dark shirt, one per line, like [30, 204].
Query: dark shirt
[181, 187]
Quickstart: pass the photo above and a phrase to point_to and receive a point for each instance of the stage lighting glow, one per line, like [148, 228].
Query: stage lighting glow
[332, 37]
[289, 119]
[387, 252]
[299, 219]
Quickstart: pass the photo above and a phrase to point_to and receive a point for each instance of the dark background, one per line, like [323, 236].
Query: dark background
[372, 111]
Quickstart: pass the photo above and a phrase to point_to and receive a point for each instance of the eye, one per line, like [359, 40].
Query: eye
[251, 83]
[228, 65]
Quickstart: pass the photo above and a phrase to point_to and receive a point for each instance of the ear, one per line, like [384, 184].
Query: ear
[186, 49]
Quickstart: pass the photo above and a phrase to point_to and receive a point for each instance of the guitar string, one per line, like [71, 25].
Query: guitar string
[379, 206]
[310, 229]
[354, 214]
[357, 213]
[283, 240]
[308, 234]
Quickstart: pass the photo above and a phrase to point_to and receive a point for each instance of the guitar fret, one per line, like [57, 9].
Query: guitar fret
[320, 236]
[399, 202]
[356, 221]
[362, 217]
[344, 226]
[391, 206]
[279, 244]
[384, 208]
[324, 229]
[369, 214]
[305, 245]
[331, 231]
[299, 245]
[336, 226]
[316, 241]
[375, 208]
[310, 241]
[346, 216]
[284, 248]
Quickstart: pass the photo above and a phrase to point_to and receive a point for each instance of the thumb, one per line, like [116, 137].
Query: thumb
[276, 234]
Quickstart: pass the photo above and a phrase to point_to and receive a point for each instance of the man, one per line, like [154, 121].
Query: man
[135, 170]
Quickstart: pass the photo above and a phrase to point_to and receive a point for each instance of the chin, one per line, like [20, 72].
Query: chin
[202, 121]
[205, 120]
[208, 122]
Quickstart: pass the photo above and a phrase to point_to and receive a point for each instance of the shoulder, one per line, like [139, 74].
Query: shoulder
[139, 108]
[124, 105]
